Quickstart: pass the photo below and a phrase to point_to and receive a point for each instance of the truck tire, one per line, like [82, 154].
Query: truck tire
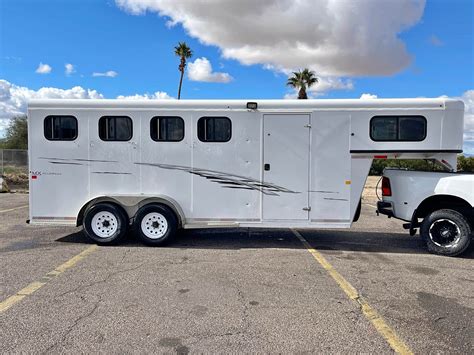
[155, 224]
[446, 232]
[105, 223]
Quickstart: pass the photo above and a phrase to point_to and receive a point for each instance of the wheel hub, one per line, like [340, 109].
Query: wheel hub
[104, 224]
[154, 225]
[444, 233]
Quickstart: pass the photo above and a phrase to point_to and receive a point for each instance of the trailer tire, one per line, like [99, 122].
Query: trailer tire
[105, 223]
[155, 224]
[446, 232]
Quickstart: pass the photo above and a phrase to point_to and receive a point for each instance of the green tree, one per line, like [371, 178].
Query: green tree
[17, 134]
[184, 52]
[466, 163]
[302, 80]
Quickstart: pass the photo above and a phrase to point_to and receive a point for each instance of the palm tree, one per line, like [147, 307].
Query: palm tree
[184, 52]
[302, 80]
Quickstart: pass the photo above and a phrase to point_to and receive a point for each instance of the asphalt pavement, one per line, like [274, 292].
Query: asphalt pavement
[234, 290]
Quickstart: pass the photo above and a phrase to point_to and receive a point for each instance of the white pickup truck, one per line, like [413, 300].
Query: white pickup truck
[440, 204]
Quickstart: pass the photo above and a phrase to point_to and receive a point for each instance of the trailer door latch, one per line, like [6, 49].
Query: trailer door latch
[306, 208]
[307, 125]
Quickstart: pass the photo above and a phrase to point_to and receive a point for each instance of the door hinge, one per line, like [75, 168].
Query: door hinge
[307, 125]
[306, 208]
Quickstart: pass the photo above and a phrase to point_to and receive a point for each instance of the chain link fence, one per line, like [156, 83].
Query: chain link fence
[14, 169]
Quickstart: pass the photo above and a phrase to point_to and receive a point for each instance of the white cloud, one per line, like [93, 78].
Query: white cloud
[14, 98]
[201, 70]
[323, 85]
[468, 98]
[109, 74]
[159, 95]
[43, 69]
[368, 96]
[69, 69]
[4, 123]
[326, 84]
[332, 37]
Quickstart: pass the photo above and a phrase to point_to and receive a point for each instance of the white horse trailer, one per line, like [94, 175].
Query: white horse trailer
[163, 165]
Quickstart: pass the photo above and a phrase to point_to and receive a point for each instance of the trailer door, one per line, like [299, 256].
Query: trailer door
[286, 165]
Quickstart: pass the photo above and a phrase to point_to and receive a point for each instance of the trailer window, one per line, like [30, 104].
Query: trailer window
[214, 129]
[411, 128]
[167, 129]
[398, 128]
[60, 128]
[115, 128]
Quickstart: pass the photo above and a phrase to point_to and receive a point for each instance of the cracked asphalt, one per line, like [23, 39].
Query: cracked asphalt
[231, 291]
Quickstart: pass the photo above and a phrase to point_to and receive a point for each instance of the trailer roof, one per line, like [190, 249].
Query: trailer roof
[241, 104]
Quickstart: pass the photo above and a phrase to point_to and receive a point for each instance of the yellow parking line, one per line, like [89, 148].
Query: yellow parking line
[395, 342]
[36, 285]
[13, 209]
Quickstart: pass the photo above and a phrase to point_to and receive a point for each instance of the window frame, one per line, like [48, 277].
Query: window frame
[398, 128]
[60, 139]
[214, 141]
[116, 140]
[158, 133]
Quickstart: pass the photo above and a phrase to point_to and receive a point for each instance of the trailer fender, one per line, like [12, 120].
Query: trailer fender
[167, 201]
[131, 205]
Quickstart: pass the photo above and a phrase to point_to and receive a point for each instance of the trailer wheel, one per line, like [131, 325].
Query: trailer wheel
[155, 224]
[105, 223]
[446, 232]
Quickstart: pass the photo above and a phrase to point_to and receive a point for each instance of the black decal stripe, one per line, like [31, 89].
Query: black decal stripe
[78, 159]
[110, 173]
[97, 161]
[227, 180]
[64, 163]
[237, 187]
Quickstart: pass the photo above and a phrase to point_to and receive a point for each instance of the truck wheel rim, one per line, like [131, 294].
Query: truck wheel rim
[104, 224]
[154, 225]
[445, 233]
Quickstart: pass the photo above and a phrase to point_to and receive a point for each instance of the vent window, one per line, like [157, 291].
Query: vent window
[60, 128]
[115, 128]
[167, 129]
[214, 129]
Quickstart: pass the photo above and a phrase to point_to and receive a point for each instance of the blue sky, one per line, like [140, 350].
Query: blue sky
[384, 48]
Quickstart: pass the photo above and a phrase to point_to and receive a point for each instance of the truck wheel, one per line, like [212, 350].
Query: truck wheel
[105, 223]
[155, 224]
[446, 232]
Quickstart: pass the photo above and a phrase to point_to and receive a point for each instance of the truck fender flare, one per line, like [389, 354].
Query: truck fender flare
[437, 202]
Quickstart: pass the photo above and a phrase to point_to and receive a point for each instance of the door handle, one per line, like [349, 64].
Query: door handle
[266, 167]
